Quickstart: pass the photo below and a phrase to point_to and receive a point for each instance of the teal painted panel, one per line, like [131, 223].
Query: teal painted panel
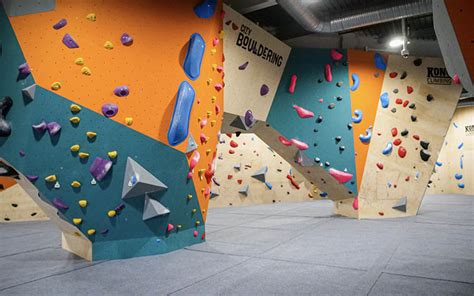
[46, 155]
[308, 65]
[22, 7]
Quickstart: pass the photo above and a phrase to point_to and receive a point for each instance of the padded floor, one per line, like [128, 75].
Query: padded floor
[283, 249]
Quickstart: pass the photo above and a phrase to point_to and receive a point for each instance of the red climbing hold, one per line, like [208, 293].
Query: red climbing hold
[170, 227]
[229, 135]
[402, 152]
[406, 103]
[397, 142]
[231, 151]
[407, 178]
[394, 132]
[293, 182]
[355, 203]
[381, 213]
[233, 144]
[229, 177]
[393, 74]
[398, 101]
[380, 165]
[239, 181]
[416, 137]
[409, 89]
[284, 141]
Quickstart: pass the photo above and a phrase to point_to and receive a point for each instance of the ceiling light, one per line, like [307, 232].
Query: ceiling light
[396, 42]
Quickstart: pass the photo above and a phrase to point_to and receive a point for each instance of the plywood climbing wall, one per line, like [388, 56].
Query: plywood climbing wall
[241, 157]
[17, 206]
[413, 116]
[454, 169]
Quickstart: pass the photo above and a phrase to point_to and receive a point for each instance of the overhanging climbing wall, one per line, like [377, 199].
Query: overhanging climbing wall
[413, 115]
[116, 85]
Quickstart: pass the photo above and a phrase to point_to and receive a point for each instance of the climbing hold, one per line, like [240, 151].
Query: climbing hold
[413, 118]
[57, 185]
[79, 61]
[424, 144]
[393, 110]
[126, 39]
[404, 133]
[398, 101]
[460, 145]
[338, 139]
[24, 70]
[75, 108]
[60, 24]
[384, 100]
[233, 144]
[56, 85]
[112, 154]
[53, 128]
[355, 82]
[244, 190]
[404, 75]
[99, 168]
[260, 174]
[128, 121]
[91, 17]
[91, 231]
[409, 89]
[122, 91]
[75, 120]
[336, 55]
[77, 221]
[69, 41]
[339, 83]
[397, 142]
[83, 155]
[138, 181]
[418, 62]
[293, 79]
[76, 184]
[323, 194]
[349, 126]
[293, 181]
[108, 45]
[425, 155]
[109, 110]
[82, 203]
[412, 106]
[393, 74]
[319, 119]
[285, 141]
[379, 62]
[153, 208]
[394, 131]
[29, 92]
[328, 73]
[429, 98]
[203, 138]
[439, 164]
[192, 145]
[303, 113]
[299, 144]
[401, 205]
[91, 135]
[170, 227]
[332, 106]
[458, 176]
[317, 160]
[380, 165]
[340, 176]
[205, 9]
[342, 148]
[215, 41]
[86, 71]
[40, 127]
[405, 103]
[264, 89]
[456, 79]
[388, 148]
[50, 178]
[243, 66]
[179, 126]
[402, 152]
[60, 204]
[366, 138]
[355, 203]
[194, 55]
[111, 213]
[461, 185]
[358, 116]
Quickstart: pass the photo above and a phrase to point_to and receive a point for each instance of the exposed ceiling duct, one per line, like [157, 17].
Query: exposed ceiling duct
[302, 13]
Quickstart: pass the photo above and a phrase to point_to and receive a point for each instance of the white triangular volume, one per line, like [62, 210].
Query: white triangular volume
[29, 91]
[153, 208]
[260, 174]
[192, 145]
[237, 166]
[244, 190]
[138, 181]
[401, 205]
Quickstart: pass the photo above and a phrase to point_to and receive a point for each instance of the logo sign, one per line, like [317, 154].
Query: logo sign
[437, 75]
[469, 129]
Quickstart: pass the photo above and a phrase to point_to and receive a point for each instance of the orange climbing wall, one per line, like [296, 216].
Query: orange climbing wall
[151, 67]
[460, 12]
[6, 182]
[365, 98]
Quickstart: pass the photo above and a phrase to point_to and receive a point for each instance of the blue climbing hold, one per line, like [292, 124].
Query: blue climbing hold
[366, 138]
[355, 82]
[384, 100]
[323, 194]
[461, 162]
[461, 185]
[438, 163]
[387, 149]
[455, 125]
[269, 185]
[358, 116]
[179, 126]
[460, 145]
[193, 60]
[458, 176]
[206, 8]
[380, 62]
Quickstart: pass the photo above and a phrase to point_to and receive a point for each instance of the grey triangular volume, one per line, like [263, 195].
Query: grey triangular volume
[244, 190]
[401, 205]
[153, 208]
[214, 194]
[29, 91]
[192, 145]
[260, 174]
[302, 159]
[138, 181]
[237, 166]
[239, 122]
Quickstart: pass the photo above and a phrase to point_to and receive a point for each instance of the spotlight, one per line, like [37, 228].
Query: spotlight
[396, 42]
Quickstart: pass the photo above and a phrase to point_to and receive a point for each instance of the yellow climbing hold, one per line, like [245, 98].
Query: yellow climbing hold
[91, 231]
[201, 173]
[213, 51]
[213, 99]
[190, 196]
[209, 81]
[208, 151]
[108, 45]
[50, 178]
[75, 108]
[209, 113]
[214, 67]
[203, 211]
[56, 85]
[82, 203]
[128, 120]
[112, 154]
[213, 122]
[179, 226]
[75, 119]
[77, 221]
[111, 213]
[194, 211]
[221, 34]
[76, 184]
[198, 222]
[75, 148]
[92, 17]
[91, 135]
[86, 71]
[83, 155]
[79, 61]
[199, 119]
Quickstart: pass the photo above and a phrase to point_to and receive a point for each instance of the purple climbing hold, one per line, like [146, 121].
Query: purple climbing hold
[59, 204]
[60, 24]
[264, 89]
[122, 91]
[126, 39]
[69, 41]
[53, 128]
[32, 178]
[40, 127]
[109, 110]
[243, 66]
[24, 69]
[249, 119]
[120, 207]
[99, 168]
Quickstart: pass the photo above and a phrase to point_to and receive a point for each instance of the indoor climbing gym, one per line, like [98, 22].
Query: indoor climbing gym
[236, 147]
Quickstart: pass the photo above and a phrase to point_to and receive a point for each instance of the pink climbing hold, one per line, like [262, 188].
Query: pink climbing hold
[292, 83]
[218, 86]
[215, 41]
[218, 109]
[456, 79]
[328, 73]
[302, 112]
[355, 203]
[300, 144]
[284, 141]
[340, 176]
[192, 164]
[203, 138]
[170, 227]
[203, 123]
[195, 233]
[335, 55]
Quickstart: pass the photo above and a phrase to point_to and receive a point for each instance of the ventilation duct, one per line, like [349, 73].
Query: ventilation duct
[370, 16]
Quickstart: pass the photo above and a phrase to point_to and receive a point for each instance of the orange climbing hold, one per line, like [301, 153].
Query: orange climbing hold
[293, 181]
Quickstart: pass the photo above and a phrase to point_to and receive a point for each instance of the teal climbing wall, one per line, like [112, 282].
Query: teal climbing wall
[311, 86]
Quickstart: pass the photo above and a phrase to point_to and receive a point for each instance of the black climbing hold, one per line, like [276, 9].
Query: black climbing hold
[5, 127]
[404, 75]
[425, 155]
[332, 106]
[429, 98]
[339, 98]
[344, 64]
[412, 106]
[317, 160]
[342, 148]
[393, 110]
[424, 144]
[237, 134]
[320, 80]
[404, 132]
[349, 126]
[395, 91]
[315, 130]
[413, 118]
[338, 138]
[319, 119]
[339, 84]
[418, 62]
[315, 144]
[327, 163]
[352, 182]
[377, 75]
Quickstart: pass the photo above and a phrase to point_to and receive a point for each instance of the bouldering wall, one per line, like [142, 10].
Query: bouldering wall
[254, 63]
[417, 102]
[454, 169]
[17, 206]
[102, 97]
[249, 172]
